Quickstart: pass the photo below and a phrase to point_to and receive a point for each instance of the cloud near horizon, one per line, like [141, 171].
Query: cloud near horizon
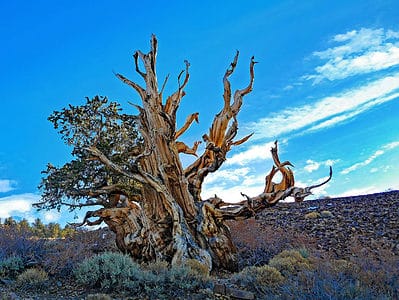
[17, 205]
[371, 158]
[20, 206]
[7, 185]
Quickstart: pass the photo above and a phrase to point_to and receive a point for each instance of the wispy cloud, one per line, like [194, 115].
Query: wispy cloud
[328, 111]
[232, 193]
[227, 175]
[358, 52]
[7, 185]
[254, 153]
[371, 158]
[311, 165]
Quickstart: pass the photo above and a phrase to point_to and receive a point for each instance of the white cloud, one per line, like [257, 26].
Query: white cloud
[328, 111]
[17, 204]
[371, 158]
[254, 153]
[360, 52]
[227, 175]
[51, 216]
[7, 185]
[311, 165]
[359, 191]
[233, 193]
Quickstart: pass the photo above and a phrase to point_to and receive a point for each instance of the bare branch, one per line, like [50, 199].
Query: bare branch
[300, 194]
[163, 85]
[190, 119]
[95, 203]
[226, 82]
[105, 160]
[242, 141]
[89, 214]
[134, 85]
[186, 78]
[239, 94]
[183, 148]
[136, 62]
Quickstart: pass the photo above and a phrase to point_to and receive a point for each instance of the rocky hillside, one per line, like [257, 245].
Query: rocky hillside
[339, 226]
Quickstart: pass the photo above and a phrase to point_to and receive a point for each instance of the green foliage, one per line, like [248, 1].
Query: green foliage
[37, 229]
[174, 282]
[110, 271]
[97, 123]
[117, 272]
[290, 262]
[11, 267]
[32, 279]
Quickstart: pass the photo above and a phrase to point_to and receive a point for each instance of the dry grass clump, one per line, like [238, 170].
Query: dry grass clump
[312, 215]
[197, 268]
[259, 276]
[290, 262]
[32, 279]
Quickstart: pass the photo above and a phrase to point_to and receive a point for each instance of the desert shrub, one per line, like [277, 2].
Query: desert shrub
[32, 279]
[175, 282]
[258, 243]
[110, 271]
[15, 241]
[290, 262]
[63, 255]
[156, 267]
[304, 252]
[11, 267]
[324, 283]
[262, 280]
[257, 256]
[338, 279]
[326, 214]
[197, 268]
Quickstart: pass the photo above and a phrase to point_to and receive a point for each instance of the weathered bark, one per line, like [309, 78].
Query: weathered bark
[170, 221]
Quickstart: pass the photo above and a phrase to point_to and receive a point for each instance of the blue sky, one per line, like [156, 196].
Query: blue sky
[326, 86]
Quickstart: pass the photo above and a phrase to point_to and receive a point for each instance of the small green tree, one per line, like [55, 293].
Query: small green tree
[38, 228]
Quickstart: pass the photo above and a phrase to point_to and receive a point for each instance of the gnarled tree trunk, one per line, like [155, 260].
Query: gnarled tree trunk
[170, 221]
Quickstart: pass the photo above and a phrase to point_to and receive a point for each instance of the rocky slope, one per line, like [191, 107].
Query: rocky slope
[341, 226]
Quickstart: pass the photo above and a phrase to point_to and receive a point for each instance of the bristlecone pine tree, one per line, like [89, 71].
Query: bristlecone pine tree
[136, 181]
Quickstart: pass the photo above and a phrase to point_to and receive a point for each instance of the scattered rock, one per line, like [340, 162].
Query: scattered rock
[341, 224]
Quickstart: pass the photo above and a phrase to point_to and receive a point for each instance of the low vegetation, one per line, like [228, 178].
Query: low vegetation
[273, 264]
